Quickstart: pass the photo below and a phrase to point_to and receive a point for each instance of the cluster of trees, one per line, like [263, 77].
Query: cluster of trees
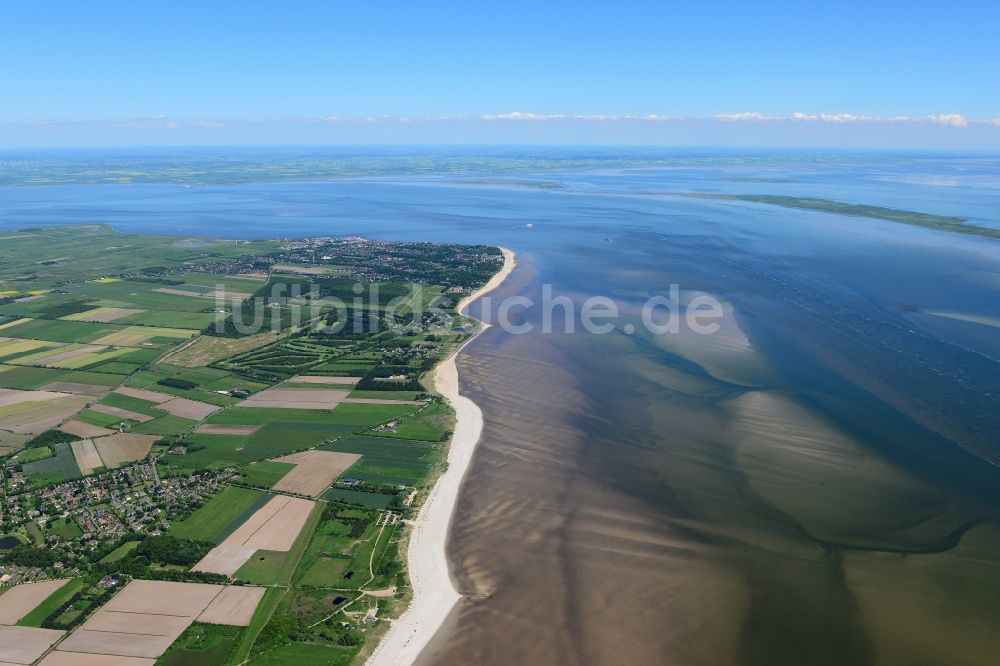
[345, 290]
[50, 437]
[353, 324]
[95, 598]
[277, 292]
[57, 310]
[28, 556]
[377, 379]
[284, 628]
[175, 382]
[165, 549]
[357, 524]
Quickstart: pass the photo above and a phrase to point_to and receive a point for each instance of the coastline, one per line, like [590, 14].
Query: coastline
[434, 592]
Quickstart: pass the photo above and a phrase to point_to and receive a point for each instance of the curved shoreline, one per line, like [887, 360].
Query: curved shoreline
[434, 592]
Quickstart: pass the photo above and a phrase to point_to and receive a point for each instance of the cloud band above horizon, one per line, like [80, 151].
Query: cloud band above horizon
[943, 130]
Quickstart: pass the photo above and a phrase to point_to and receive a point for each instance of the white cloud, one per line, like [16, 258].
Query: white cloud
[946, 119]
[742, 117]
[517, 115]
[951, 119]
[159, 121]
[152, 122]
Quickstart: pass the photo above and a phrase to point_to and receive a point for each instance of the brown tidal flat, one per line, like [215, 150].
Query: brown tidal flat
[667, 510]
[548, 552]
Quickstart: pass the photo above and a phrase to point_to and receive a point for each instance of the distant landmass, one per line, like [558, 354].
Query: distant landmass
[958, 225]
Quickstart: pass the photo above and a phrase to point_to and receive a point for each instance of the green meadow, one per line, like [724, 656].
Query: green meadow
[220, 515]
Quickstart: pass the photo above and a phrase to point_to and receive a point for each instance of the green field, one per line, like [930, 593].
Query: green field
[64, 527]
[120, 552]
[200, 377]
[52, 603]
[272, 597]
[268, 442]
[165, 425]
[59, 330]
[57, 468]
[265, 473]
[31, 378]
[33, 454]
[266, 415]
[263, 567]
[212, 451]
[98, 419]
[368, 416]
[116, 368]
[325, 572]
[388, 460]
[433, 423]
[132, 404]
[380, 395]
[342, 368]
[237, 283]
[334, 547]
[286, 437]
[373, 500]
[220, 515]
[202, 645]
[192, 320]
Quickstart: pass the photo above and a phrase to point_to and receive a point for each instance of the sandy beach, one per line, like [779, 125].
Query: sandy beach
[434, 592]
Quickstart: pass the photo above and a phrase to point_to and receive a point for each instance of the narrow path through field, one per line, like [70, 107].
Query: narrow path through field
[384, 520]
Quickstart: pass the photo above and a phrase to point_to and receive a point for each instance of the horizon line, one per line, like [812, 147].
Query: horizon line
[511, 145]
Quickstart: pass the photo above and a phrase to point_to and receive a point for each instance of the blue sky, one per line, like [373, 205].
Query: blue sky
[909, 73]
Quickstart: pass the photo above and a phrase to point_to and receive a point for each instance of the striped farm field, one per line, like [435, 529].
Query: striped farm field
[135, 336]
[115, 450]
[103, 314]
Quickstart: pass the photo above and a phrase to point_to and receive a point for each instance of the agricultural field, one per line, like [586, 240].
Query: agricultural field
[62, 593]
[17, 602]
[23, 645]
[264, 474]
[221, 515]
[202, 644]
[314, 471]
[206, 350]
[273, 527]
[137, 416]
[60, 466]
[386, 460]
[433, 423]
[33, 378]
[145, 618]
[32, 412]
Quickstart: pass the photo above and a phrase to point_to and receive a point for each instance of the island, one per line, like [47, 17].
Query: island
[234, 434]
